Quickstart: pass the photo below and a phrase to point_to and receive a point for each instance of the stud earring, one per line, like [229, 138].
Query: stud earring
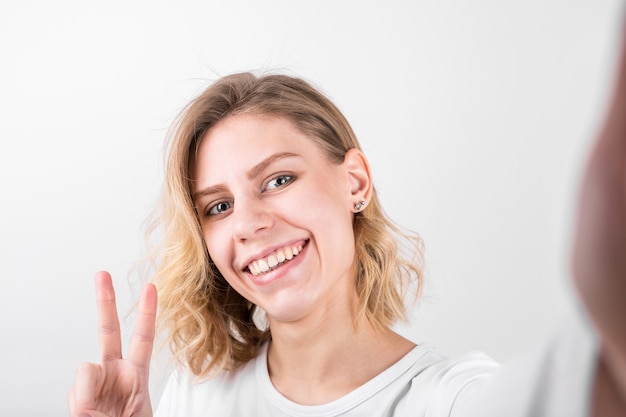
[358, 206]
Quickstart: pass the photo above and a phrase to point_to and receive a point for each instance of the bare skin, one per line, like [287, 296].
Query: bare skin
[317, 353]
[599, 261]
[333, 368]
[117, 386]
[328, 357]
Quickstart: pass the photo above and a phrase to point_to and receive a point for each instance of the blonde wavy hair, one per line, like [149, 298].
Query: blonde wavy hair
[209, 326]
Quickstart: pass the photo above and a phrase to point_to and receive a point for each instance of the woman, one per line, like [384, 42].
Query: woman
[280, 276]
[269, 204]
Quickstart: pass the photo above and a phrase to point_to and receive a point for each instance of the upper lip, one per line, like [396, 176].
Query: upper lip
[267, 251]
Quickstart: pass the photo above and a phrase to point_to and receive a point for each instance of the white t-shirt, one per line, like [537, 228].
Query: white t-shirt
[422, 383]
[553, 380]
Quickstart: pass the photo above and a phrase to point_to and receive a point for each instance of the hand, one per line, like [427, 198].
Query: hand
[117, 387]
[599, 262]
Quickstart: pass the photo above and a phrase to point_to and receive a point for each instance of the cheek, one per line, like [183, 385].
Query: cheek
[217, 252]
[331, 222]
[222, 253]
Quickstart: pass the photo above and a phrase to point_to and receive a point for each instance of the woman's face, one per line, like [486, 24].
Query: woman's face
[276, 215]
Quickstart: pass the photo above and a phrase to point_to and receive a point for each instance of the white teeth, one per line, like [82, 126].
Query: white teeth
[263, 266]
[272, 261]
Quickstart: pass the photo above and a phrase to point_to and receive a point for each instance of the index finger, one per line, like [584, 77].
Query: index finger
[143, 336]
[108, 322]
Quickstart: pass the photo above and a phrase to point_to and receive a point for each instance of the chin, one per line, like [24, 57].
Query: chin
[288, 309]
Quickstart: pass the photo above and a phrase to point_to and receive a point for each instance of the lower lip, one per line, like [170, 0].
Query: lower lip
[279, 272]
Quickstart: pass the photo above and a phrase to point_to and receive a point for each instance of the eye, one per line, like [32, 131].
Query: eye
[219, 208]
[278, 182]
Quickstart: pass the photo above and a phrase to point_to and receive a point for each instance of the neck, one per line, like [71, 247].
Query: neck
[329, 356]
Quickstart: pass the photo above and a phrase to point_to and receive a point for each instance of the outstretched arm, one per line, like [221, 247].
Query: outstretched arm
[599, 256]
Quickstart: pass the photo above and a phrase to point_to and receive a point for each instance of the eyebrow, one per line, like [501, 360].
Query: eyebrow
[213, 189]
[256, 170]
[253, 173]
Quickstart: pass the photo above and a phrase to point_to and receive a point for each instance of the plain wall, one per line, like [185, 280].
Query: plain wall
[476, 117]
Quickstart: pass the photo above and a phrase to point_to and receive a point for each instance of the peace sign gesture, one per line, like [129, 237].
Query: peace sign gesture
[117, 387]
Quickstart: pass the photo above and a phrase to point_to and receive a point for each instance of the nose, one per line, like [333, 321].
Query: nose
[250, 218]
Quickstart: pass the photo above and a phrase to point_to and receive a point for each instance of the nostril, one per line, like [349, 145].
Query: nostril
[249, 222]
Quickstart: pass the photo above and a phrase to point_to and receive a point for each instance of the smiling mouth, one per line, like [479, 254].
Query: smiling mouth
[275, 259]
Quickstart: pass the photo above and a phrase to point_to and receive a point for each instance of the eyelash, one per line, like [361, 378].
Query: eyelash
[286, 180]
[215, 206]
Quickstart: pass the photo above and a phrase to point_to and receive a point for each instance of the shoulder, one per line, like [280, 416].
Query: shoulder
[439, 384]
[185, 394]
[553, 379]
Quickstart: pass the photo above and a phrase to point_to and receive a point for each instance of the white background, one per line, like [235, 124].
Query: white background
[476, 116]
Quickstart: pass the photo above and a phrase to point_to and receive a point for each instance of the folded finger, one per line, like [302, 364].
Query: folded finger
[143, 336]
[85, 387]
[108, 322]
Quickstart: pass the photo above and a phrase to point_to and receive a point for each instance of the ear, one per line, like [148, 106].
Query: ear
[359, 175]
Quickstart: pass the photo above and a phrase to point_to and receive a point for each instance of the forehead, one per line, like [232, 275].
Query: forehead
[238, 142]
[244, 134]
[251, 127]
